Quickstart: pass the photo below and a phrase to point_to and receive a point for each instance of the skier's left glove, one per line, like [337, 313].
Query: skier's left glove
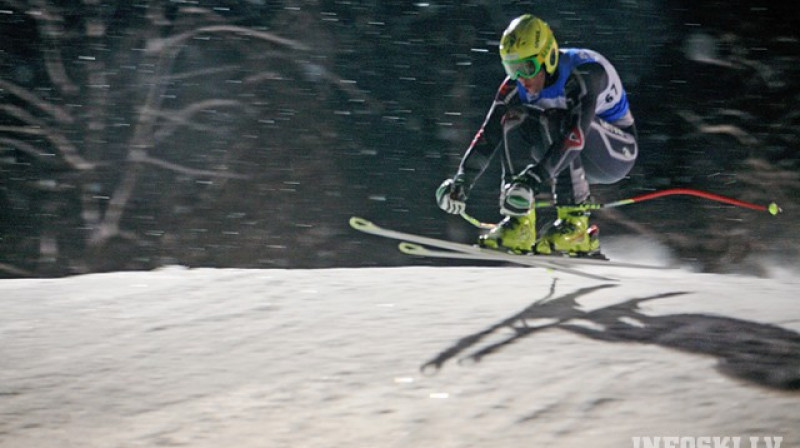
[451, 196]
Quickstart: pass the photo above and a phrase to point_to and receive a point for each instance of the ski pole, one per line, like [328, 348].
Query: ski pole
[772, 207]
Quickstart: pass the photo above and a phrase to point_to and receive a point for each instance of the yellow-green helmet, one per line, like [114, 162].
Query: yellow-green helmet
[528, 45]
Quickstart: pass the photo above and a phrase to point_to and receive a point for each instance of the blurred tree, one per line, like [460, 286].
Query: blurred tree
[116, 116]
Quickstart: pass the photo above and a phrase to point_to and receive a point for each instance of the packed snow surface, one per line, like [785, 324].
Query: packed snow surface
[396, 357]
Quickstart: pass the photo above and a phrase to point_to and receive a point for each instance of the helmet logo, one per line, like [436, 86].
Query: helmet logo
[512, 41]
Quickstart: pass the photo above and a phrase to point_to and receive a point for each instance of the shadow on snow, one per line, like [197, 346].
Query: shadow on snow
[766, 355]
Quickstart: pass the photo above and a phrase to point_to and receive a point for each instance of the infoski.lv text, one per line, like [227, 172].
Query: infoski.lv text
[707, 442]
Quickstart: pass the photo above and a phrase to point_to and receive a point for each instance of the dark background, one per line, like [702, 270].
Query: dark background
[246, 133]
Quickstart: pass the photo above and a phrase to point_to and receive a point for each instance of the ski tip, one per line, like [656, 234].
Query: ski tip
[361, 223]
[409, 248]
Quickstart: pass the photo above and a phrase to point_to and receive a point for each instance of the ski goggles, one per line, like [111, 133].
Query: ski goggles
[527, 67]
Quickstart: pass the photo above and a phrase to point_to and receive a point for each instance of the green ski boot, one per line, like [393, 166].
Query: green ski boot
[571, 235]
[514, 233]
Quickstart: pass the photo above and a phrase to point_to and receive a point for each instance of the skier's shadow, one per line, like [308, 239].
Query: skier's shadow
[762, 354]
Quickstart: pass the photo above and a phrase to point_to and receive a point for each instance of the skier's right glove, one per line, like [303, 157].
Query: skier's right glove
[451, 196]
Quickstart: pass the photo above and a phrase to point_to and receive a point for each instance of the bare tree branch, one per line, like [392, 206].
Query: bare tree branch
[21, 115]
[13, 270]
[203, 72]
[61, 115]
[165, 49]
[143, 132]
[764, 173]
[734, 131]
[68, 151]
[183, 117]
[24, 147]
[51, 32]
[142, 157]
[158, 45]
[109, 225]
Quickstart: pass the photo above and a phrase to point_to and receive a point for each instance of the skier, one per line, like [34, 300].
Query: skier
[562, 120]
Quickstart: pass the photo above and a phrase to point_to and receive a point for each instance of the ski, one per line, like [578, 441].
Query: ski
[467, 251]
[489, 255]
[417, 249]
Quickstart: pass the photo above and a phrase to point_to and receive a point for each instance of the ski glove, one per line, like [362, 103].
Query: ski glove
[451, 196]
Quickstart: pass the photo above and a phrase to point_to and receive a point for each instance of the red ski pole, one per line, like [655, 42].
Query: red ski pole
[772, 207]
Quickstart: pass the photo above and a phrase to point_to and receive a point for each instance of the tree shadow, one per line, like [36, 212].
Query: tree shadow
[761, 354]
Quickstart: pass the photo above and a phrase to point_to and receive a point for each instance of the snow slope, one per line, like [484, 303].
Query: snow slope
[396, 357]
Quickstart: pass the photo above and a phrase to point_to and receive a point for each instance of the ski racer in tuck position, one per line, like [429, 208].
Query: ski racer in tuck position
[561, 122]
